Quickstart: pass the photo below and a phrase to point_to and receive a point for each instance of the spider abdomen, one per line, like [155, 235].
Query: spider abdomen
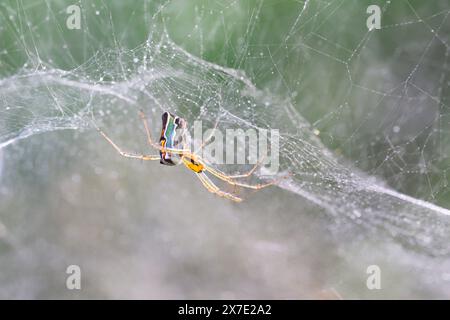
[193, 165]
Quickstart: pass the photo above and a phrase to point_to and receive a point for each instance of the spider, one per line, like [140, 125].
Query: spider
[170, 154]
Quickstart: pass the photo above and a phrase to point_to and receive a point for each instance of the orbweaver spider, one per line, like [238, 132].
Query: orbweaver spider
[170, 154]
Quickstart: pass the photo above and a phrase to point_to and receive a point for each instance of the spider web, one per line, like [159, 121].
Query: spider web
[364, 131]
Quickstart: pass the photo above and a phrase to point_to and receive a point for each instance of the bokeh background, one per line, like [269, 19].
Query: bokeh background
[376, 100]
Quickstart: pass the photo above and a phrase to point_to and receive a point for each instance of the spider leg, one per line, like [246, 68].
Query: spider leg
[230, 178]
[217, 172]
[231, 181]
[208, 138]
[249, 173]
[127, 154]
[147, 130]
[211, 187]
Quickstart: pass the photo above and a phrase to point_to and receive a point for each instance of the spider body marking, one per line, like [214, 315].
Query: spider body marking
[169, 140]
[170, 123]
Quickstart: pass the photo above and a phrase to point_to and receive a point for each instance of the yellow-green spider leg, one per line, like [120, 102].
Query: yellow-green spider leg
[211, 187]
